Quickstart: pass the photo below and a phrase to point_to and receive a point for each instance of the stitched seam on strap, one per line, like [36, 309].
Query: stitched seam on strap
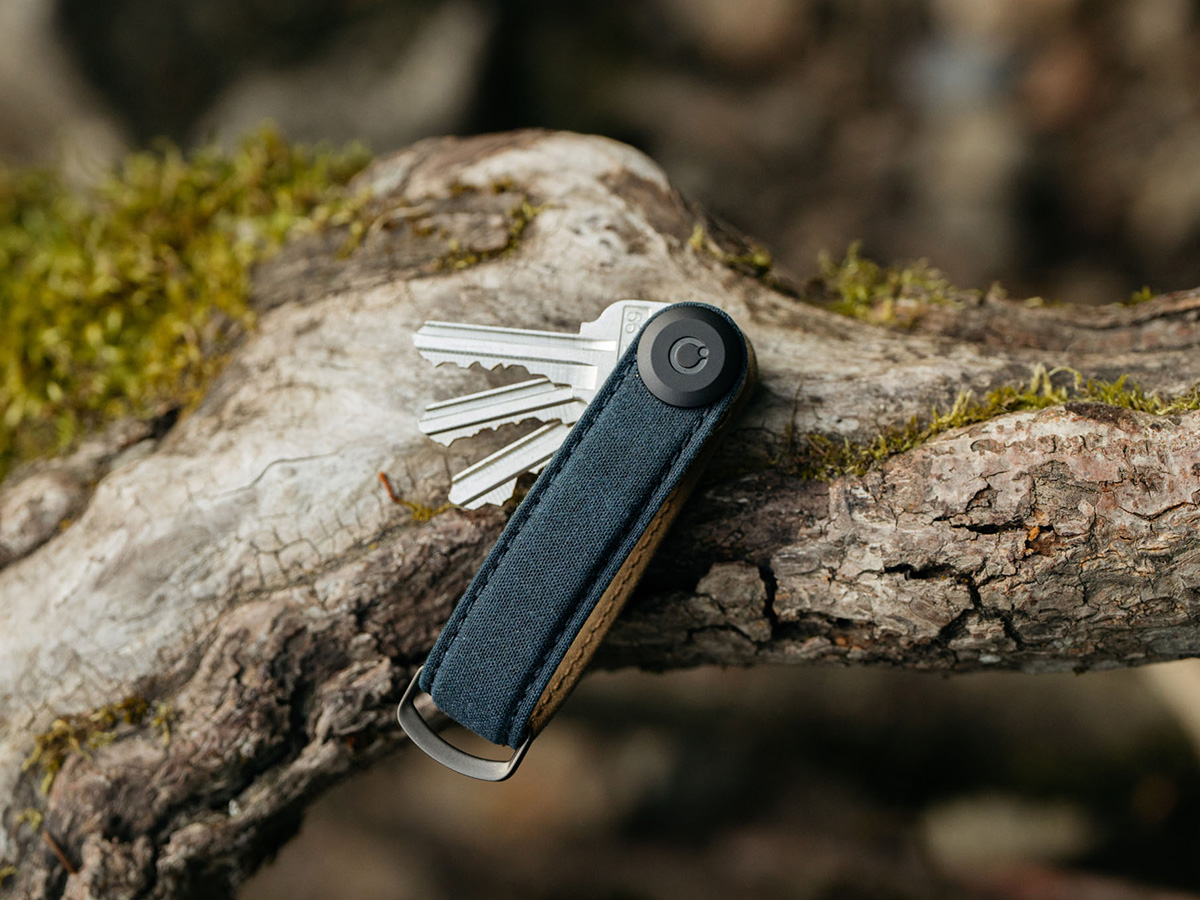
[597, 627]
[533, 502]
[536, 674]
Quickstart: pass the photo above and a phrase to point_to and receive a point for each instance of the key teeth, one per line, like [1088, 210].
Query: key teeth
[535, 400]
[462, 365]
[443, 358]
[496, 496]
[447, 439]
[472, 488]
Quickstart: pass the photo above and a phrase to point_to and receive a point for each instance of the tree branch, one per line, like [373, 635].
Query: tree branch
[247, 576]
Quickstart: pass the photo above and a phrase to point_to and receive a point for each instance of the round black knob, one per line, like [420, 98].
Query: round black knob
[690, 355]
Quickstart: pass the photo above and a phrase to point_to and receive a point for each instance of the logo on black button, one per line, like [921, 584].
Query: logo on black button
[688, 356]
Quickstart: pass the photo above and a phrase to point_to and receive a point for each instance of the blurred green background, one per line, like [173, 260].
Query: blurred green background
[1050, 145]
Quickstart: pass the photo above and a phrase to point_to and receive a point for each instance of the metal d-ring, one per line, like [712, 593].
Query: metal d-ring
[447, 754]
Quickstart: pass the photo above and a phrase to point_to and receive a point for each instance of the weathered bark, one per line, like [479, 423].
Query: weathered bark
[248, 570]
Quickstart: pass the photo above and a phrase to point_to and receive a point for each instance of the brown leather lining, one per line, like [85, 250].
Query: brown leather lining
[613, 599]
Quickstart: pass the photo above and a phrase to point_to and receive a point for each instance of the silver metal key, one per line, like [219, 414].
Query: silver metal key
[494, 478]
[581, 360]
[572, 368]
[538, 398]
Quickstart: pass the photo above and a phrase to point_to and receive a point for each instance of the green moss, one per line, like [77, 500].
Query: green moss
[7, 872]
[520, 215]
[825, 458]
[29, 816]
[1139, 297]
[752, 259]
[121, 299]
[82, 733]
[161, 722]
[1039, 303]
[887, 295]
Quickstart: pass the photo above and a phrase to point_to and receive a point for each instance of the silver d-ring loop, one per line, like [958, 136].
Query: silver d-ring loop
[447, 754]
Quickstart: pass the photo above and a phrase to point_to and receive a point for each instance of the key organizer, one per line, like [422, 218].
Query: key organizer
[572, 552]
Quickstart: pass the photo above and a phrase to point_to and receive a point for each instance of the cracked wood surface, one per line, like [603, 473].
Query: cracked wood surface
[245, 567]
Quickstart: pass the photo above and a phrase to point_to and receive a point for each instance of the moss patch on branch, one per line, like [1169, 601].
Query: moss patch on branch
[120, 299]
[883, 295]
[1138, 297]
[518, 218]
[741, 255]
[824, 458]
[751, 259]
[82, 733]
[29, 816]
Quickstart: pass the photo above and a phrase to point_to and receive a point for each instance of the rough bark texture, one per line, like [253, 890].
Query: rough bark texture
[246, 568]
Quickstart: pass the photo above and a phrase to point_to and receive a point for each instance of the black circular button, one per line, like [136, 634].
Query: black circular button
[690, 355]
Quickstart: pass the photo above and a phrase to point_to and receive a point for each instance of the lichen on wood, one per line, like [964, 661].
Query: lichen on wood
[519, 216]
[821, 457]
[86, 732]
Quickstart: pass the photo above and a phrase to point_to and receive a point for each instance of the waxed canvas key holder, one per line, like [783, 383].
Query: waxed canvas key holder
[569, 557]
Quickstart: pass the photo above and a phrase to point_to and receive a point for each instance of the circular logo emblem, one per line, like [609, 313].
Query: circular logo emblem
[688, 356]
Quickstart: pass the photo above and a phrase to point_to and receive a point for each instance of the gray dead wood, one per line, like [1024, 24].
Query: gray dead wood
[248, 569]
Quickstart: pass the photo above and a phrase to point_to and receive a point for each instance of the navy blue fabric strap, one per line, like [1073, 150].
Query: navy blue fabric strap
[561, 549]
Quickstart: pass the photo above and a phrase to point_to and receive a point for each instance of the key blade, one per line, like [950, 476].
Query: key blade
[538, 398]
[569, 359]
[493, 478]
[501, 493]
